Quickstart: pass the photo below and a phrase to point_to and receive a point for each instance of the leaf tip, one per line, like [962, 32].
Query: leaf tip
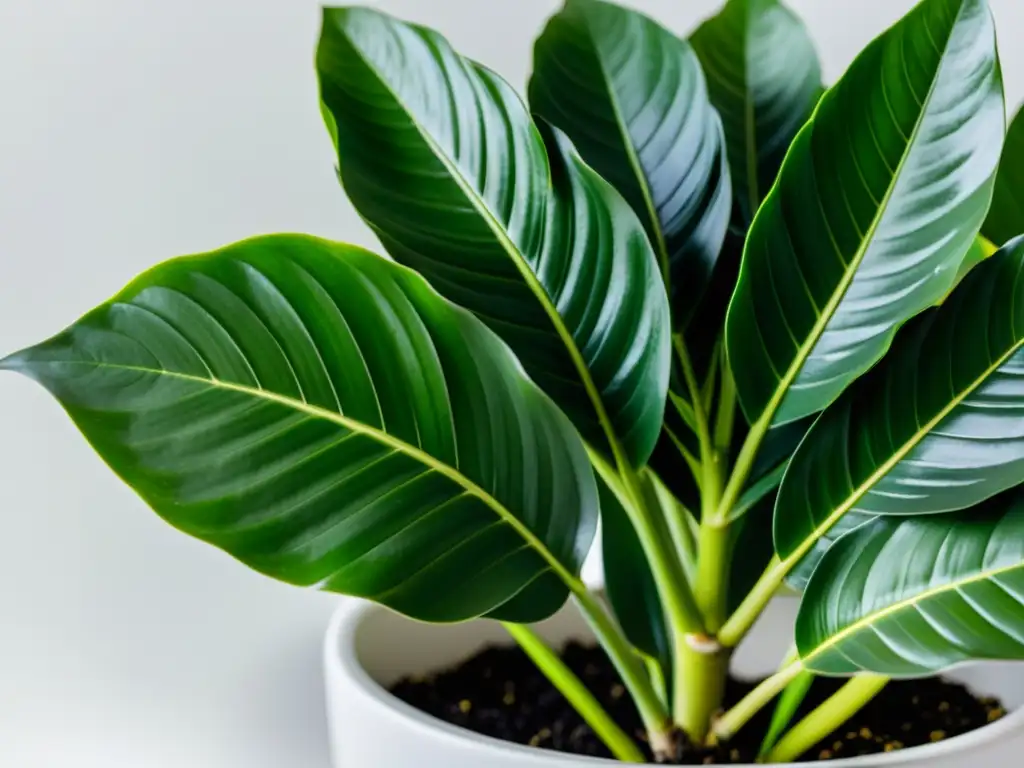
[13, 362]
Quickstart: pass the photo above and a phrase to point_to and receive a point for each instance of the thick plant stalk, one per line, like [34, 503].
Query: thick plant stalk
[576, 693]
[713, 573]
[702, 667]
[843, 705]
[701, 663]
[730, 723]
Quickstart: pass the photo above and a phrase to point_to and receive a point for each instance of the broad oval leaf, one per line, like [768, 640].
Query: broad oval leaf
[325, 417]
[764, 78]
[935, 427]
[441, 157]
[908, 597]
[632, 97]
[878, 201]
[1006, 216]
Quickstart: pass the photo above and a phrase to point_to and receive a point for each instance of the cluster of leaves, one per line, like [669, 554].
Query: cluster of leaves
[615, 277]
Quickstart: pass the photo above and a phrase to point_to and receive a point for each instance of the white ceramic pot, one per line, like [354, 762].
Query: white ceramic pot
[368, 648]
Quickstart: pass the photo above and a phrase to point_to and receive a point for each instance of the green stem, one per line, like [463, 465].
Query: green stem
[630, 667]
[843, 705]
[677, 599]
[737, 626]
[730, 723]
[711, 589]
[702, 667]
[696, 400]
[744, 464]
[577, 694]
[726, 416]
[714, 538]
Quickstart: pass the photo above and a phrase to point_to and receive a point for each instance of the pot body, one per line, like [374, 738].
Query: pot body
[368, 648]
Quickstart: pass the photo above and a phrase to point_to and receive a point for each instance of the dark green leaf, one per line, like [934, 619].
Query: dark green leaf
[934, 427]
[703, 335]
[802, 571]
[764, 78]
[631, 588]
[440, 156]
[1006, 216]
[909, 597]
[878, 201]
[325, 417]
[751, 550]
[632, 97]
[629, 582]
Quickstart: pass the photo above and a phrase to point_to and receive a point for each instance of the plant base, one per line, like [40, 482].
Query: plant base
[499, 693]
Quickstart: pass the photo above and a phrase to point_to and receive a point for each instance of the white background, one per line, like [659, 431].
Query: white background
[132, 131]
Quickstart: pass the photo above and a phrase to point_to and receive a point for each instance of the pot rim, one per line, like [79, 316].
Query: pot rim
[340, 656]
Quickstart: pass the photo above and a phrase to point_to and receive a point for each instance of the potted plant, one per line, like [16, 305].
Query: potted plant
[746, 321]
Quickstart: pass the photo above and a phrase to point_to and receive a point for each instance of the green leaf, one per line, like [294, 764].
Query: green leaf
[751, 550]
[980, 250]
[908, 597]
[629, 583]
[878, 201]
[325, 417]
[440, 156]
[1006, 216]
[934, 427]
[764, 78]
[801, 574]
[632, 97]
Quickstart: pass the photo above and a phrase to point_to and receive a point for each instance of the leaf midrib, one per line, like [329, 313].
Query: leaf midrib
[897, 607]
[380, 436]
[513, 251]
[889, 464]
[634, 160]
[828, 311]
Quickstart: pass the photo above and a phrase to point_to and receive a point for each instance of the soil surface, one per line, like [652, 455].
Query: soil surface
[500, 693]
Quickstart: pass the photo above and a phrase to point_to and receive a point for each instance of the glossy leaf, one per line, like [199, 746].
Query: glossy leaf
[440, 156]
[1006, 216]
[935, 427]
[325, 417]
[878, 201]
[764, 78]
[632, 97]
[801, 574]
[908, 597]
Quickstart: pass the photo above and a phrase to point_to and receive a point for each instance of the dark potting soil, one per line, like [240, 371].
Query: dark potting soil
[500, 693]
